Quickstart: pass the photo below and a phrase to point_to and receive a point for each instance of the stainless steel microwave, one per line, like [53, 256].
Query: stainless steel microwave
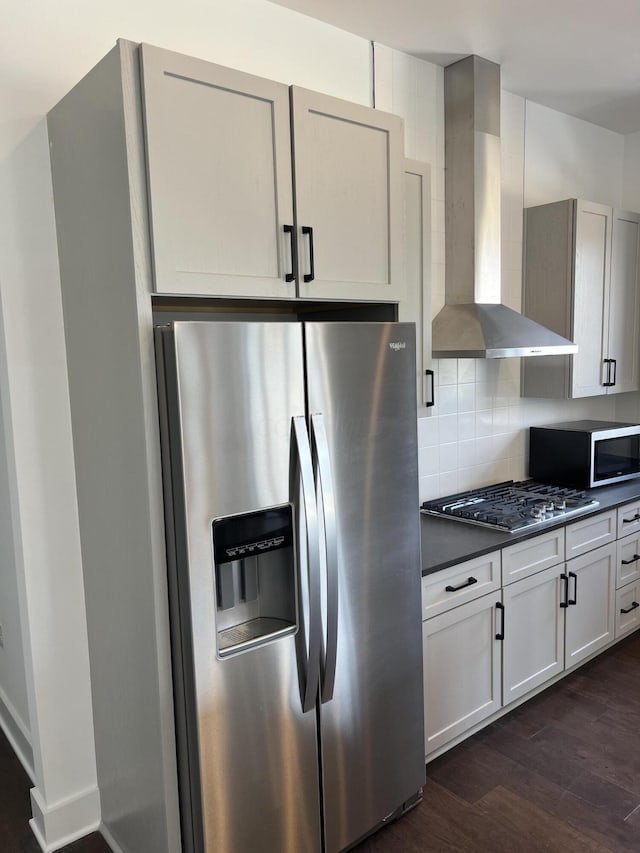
[584, 454]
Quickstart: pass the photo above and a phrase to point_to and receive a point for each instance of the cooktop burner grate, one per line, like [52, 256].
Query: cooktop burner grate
[511, 506]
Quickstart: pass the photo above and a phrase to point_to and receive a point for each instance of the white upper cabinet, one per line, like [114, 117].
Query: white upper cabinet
[415, 307]
[221, 182]
[348, 172]
[219, 172]
[581, 280]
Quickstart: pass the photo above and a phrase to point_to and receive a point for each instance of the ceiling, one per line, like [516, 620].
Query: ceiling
[581, 57]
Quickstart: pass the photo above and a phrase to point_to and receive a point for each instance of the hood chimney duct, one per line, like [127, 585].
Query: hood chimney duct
[473, 323]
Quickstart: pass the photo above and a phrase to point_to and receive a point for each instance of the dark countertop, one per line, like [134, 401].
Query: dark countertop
[445, 542]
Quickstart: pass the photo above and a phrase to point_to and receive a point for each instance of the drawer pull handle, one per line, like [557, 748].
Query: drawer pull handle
[634, 559]
[636, 517]
[468, 582]
[500, 633]
[634, 604]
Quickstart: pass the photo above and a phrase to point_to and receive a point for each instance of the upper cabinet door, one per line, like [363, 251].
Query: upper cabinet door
[591, 297]
[219, 171]
[348, 183]
[624, 302]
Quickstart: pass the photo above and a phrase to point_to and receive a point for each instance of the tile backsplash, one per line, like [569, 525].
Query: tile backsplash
[478, 433]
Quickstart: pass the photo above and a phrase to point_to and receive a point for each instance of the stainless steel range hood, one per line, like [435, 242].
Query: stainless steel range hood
[473, 323]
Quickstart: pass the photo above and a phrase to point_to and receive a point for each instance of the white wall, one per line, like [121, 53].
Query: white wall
[631, 188]
[570, 158]
[14, 708]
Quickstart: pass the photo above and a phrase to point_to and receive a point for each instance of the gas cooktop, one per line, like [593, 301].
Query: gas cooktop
[510, 506]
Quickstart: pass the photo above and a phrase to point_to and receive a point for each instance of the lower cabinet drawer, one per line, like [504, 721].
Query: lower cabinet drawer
[628, 560]
[628, 518]
[590, 533]
[460, 583]
[533, 555]
[627, 608]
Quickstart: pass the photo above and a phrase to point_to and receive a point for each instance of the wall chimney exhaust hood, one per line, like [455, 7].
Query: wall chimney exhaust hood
[473, 323]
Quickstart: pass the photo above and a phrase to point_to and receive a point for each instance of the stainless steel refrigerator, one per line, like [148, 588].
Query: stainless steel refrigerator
[290, 478]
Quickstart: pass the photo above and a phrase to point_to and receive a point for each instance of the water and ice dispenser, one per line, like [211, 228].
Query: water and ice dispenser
[255, 584]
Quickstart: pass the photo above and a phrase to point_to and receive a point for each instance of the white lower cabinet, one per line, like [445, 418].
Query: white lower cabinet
[484, 650]
[461, 669]
[534, 633]
[590, 616]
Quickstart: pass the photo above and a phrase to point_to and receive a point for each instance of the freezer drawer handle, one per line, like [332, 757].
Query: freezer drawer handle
[636, 517]
[326, 503]
[468, 582]
[634, 559]
[634, 604]
[314, 616]
[290, 276]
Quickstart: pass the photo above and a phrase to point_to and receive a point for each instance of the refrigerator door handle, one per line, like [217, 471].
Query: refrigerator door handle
[328, 509]
[313, 617]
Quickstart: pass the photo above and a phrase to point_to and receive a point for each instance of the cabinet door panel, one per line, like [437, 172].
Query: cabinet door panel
[416, 306]
[461, 670]
[534, 633]
[590, 623]
[624, 308]
[348, 184]
[591, 297]
[219, 172]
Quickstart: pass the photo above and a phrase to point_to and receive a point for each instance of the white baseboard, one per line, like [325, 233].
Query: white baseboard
[108, 837]
[59, 824]
[17, 733]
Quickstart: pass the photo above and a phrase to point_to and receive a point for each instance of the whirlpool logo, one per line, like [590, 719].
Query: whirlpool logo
[397, 345]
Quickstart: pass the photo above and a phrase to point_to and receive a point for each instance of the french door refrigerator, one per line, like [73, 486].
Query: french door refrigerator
[290, 479]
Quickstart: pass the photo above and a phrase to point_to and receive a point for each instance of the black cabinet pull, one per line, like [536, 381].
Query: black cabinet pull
[500, 607]
[608, 383]
[573, 600]
[431, 376]
[615, 369]
[307, 229]
[565, 578]
[636, 517]
[468, 582]
[290, 276]
[634, 559]
[634, 604]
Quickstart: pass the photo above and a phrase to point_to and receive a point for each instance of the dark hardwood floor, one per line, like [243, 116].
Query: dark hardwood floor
[561, 773]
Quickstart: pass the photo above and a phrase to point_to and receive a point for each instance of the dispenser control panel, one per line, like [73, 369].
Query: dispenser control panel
[252, 533]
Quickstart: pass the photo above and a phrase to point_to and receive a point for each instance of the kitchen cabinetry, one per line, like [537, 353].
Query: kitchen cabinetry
[416, 305]
[557, 606]
[581, 272]
[627, 604]
[461, 648]
[235, 213]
